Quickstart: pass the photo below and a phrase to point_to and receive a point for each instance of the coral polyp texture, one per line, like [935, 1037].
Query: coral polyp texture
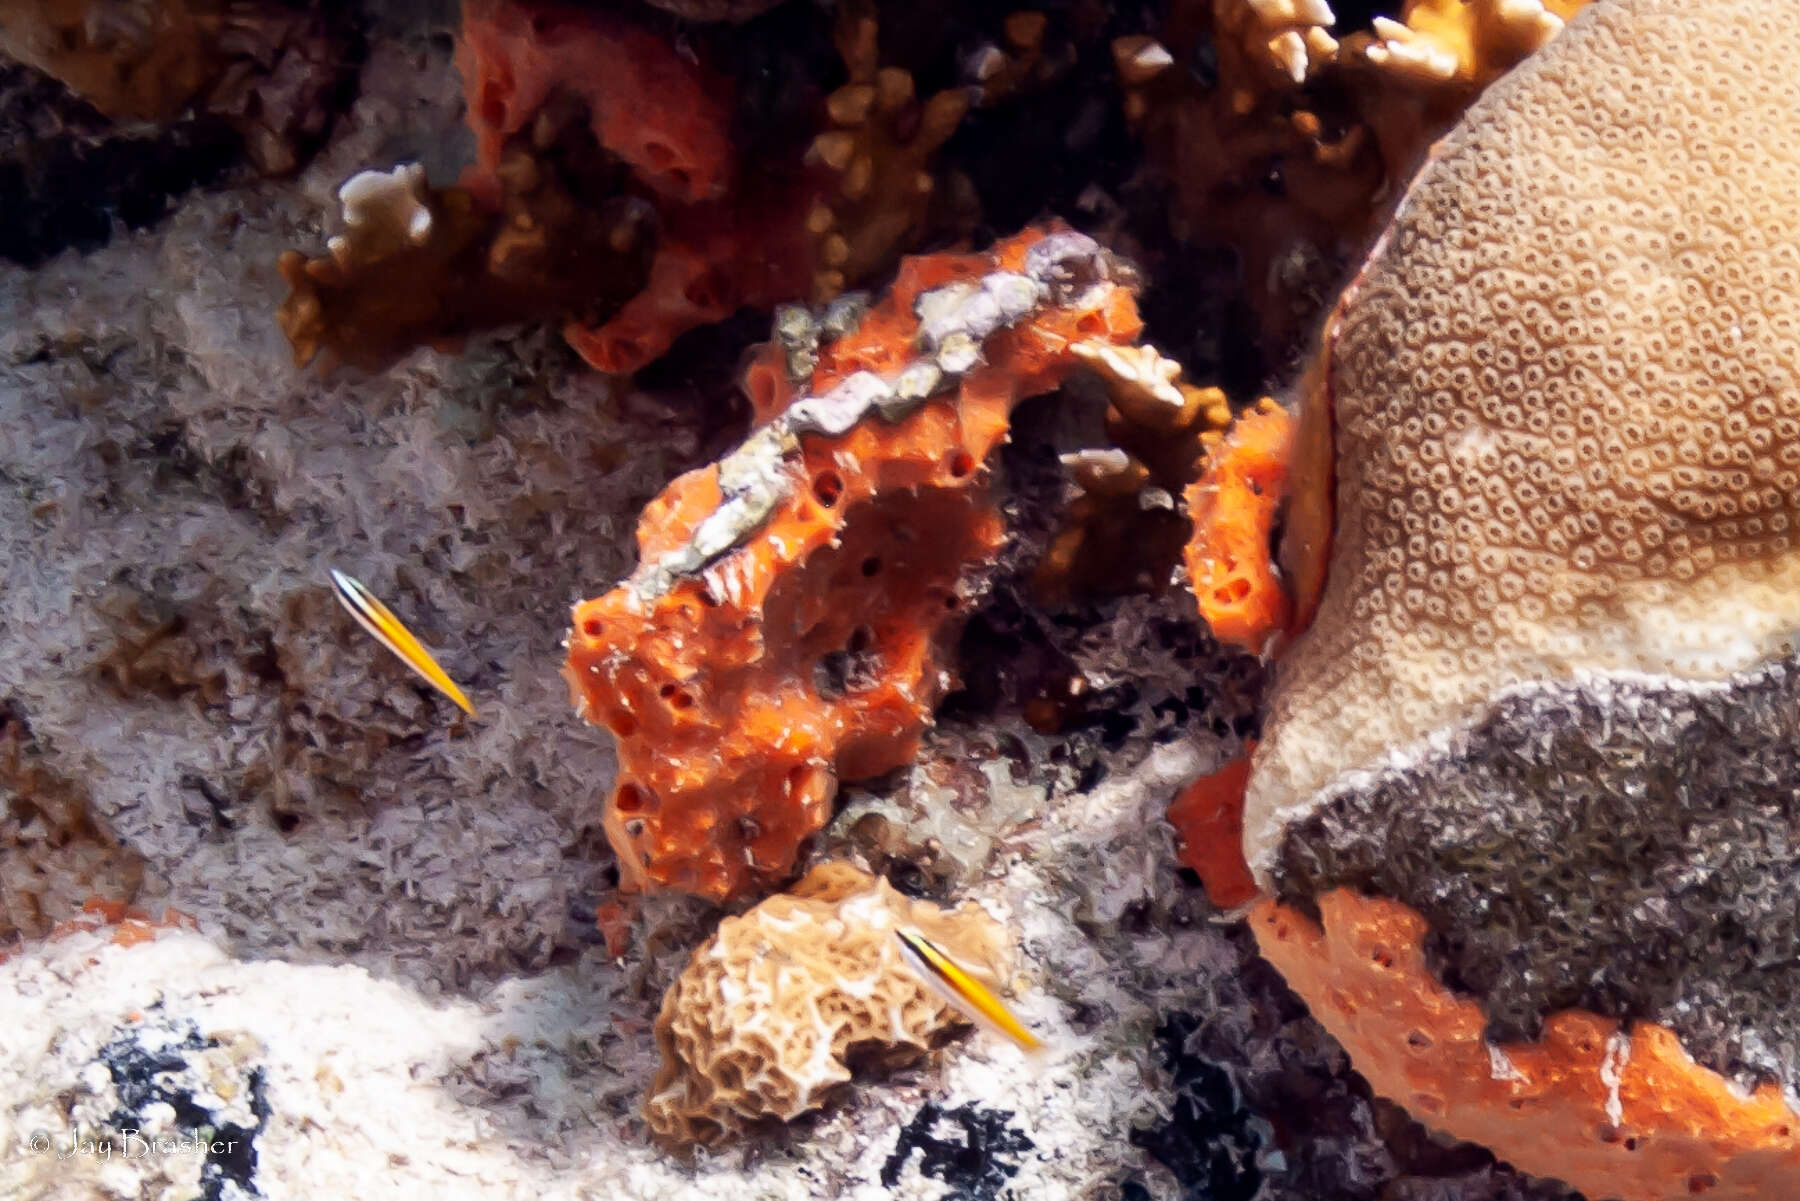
[787, 623]
[1547, 700]
[772, 1011]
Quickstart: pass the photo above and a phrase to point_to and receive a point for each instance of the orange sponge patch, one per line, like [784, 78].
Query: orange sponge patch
[1209, 816]
[667, 118]
[801, 635]
[1234, 505]
[1614, 1112]
[661, 113]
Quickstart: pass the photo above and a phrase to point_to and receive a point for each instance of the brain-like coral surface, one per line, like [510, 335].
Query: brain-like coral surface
[1546, 702]
[788, 619]
[1565, 396]
[763, 1021]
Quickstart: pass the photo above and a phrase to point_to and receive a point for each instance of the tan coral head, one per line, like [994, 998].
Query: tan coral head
[762, 1025]
[1536, 761]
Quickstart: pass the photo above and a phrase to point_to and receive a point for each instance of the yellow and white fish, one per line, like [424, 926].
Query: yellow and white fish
[388, 630]
[962, 990]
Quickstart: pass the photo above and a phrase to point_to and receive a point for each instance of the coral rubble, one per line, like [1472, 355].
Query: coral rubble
[787, 622]
[769, 1015]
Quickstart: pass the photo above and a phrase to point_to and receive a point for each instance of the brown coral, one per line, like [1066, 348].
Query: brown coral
[1278, 169]
[1018, 62]
[1416, 75]
[275, 72]
[1124, 530]
[634, 133]
[774, 1012]
[786, 625]
[1622, 1112]
[415, 265]
[1288, 146]
[878, 148]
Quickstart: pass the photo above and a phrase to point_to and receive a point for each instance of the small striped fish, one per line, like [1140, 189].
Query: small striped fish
[962, 990]
[388, 630]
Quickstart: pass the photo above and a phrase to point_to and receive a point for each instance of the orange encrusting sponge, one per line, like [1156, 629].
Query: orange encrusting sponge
[814, 648]
[1234, 505]
[1209, 817]
[1588, 1101]
[664, 115]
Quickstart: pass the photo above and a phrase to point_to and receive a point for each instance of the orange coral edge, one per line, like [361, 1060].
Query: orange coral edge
[1234, 504]
[1628, 1117]
[1209, 816]
[131, 926]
